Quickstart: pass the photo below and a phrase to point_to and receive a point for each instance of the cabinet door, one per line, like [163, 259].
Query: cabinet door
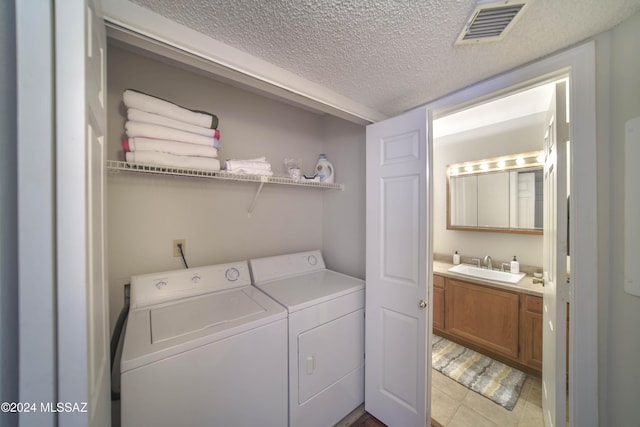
[532, 331]
[482, 315]
[438, 302]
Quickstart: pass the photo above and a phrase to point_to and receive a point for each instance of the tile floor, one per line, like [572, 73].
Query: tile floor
[454, 405]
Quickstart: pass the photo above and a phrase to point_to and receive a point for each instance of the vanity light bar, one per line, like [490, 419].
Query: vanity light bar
[524, 160]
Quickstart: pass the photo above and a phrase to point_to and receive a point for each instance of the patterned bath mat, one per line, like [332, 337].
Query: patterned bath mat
[492, 379]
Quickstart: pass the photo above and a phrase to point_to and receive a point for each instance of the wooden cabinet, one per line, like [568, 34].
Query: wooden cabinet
[531, 331]
[438, 302]
[502, 324]
[483, 315]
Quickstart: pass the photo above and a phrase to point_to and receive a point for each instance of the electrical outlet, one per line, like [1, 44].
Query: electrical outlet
[176, 249]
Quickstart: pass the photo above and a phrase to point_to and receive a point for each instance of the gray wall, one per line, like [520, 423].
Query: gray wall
[145, 213]
[512, 137]
[8, 215]
[618, 84]
[343, 237]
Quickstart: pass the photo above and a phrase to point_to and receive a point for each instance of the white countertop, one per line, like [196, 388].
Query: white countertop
[525, 286]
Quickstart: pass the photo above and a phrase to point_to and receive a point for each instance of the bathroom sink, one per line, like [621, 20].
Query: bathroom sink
[483, 273]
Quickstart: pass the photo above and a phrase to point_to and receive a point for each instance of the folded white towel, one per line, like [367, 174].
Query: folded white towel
[148, 130]
[250, 171]
[171, 147]
[136, 115]
[150, 104]
[164, 159]
[248, 164]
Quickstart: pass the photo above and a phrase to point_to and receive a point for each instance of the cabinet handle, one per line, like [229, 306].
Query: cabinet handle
[422, 304]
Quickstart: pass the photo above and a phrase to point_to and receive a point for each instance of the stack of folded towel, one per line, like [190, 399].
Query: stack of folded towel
[165, 134]
[258, 166]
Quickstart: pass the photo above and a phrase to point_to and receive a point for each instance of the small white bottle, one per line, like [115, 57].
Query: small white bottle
[515, 266]
[456, 258]
[324, 169]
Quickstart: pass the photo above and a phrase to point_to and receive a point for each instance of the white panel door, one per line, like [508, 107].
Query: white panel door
[83, 323]
[554, 315]
[398, 271]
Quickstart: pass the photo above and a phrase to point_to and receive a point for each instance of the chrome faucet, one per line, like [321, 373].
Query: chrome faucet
[489, 262]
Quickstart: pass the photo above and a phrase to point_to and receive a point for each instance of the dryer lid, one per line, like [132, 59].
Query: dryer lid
[299, 292]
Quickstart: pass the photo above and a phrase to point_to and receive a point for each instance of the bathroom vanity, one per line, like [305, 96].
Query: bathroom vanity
[500, 320]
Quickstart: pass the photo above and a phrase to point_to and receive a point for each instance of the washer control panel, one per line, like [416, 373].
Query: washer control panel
[156, 288]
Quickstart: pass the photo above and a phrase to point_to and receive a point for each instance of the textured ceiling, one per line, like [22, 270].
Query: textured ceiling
[389, 55]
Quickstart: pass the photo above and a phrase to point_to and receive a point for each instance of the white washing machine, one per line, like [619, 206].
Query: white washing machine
[203, 348]
[326, 335]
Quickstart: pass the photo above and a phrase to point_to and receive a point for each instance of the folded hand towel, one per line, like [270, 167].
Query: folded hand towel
[149, 130]
[136, 115]
[250, 164]
[150, 104]
[250, 171]
[171, 147]
[165, 159]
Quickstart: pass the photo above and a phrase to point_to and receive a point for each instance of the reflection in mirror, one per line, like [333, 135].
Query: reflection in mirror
[502, 194]
[493, 200]
[525, 189]
[464, 199]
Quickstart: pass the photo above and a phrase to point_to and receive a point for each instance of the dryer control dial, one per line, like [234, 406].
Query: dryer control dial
[232, 274]
[312, 260]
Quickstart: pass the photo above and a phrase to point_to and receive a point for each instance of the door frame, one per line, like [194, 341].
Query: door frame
[579, 65]
[37, 314]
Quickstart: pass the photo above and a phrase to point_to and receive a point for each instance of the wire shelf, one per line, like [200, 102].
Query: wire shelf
[120, 166]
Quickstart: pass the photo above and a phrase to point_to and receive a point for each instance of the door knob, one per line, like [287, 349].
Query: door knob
[422, 304]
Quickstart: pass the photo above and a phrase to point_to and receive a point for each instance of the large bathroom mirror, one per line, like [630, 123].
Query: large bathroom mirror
[502, 194]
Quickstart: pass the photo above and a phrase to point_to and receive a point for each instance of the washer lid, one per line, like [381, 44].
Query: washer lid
[305, 290]
[197, 314]
[154, 333]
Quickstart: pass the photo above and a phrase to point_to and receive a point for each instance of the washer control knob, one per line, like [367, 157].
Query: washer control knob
[312, 260]
[195, 278]
[232, 274]
[160, 284]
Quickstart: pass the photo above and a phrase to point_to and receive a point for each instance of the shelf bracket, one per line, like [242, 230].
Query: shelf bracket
[255, 198]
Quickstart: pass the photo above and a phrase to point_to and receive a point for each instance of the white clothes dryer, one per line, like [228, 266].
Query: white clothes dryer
[326, 335]
[203, 348]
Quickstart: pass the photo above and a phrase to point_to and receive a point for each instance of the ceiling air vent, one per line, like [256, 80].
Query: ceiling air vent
[490, 21]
